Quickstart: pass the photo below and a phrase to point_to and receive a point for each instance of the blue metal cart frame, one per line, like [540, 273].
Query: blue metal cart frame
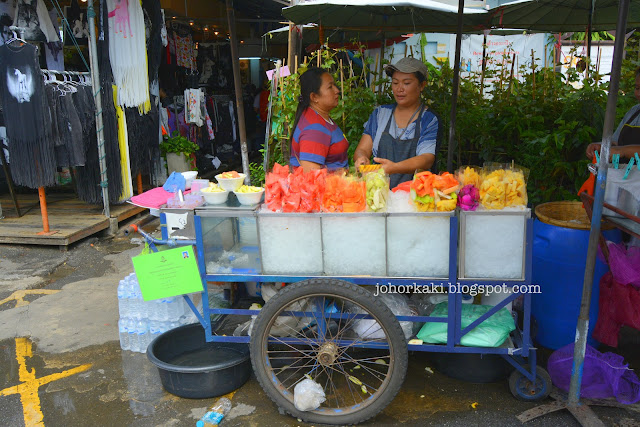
[515, 355]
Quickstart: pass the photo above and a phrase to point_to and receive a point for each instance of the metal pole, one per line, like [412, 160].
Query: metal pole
[454, 93]
[238, 89]
[583, 321]
[588, 35]
[484, 63]
[293, 43]
[95, 85]
[267, 131]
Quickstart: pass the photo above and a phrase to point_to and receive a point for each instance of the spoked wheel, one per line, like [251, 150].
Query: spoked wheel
[315, 329]
[524, 389]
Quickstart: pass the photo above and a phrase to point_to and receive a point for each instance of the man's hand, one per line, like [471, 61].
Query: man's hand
[591, 148]
[361, 160]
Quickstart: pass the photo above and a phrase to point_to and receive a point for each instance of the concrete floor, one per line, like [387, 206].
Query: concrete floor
[61, 364]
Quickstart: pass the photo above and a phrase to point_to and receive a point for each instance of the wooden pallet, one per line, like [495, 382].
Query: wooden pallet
[70, 219]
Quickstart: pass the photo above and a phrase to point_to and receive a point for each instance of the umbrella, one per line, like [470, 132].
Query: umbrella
[386, 15]
[561, 15]
[311, 34]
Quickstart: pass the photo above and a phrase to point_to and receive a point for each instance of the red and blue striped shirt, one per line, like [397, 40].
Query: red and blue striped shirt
[315, 140]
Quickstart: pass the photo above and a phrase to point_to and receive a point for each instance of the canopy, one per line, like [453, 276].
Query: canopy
[562, 15]
[311, 34]
[412, 16]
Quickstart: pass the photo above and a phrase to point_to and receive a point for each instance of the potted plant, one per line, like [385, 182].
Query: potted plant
[177, 150]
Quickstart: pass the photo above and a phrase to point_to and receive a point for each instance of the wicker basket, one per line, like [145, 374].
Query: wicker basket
[564, 214]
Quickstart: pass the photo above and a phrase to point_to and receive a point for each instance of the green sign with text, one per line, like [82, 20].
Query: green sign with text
[168, 273]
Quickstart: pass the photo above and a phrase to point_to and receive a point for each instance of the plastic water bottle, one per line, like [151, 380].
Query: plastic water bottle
[124, 334]
[123, 304]
[175, 308]
[130, 297]
[134, 344]
[142, 332]
[155, 329]
[215, 415]
[163, 310]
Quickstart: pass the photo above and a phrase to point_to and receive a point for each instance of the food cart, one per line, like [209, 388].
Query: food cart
[326, 324]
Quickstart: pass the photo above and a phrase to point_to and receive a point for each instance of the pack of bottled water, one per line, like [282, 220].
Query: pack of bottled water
[142, 321]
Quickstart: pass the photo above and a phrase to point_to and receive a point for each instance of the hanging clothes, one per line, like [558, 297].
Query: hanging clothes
[24, 106]
[209, 125]
[142, 135]
[127, 52]
[70, 151]
[77, 19]
[185, 51]
[109, 120]
[163, 31]
[154, 23]
[193, 106]
[233, 121]
[54, 55]
[7, 13]
[127, 183]
[33, 16]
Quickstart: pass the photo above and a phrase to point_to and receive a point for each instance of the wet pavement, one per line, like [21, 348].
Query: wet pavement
[61, 364]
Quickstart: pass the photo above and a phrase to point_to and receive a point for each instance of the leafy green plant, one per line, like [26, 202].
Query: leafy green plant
[178, 144]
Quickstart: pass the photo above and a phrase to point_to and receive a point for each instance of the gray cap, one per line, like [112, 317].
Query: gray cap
[406, 65]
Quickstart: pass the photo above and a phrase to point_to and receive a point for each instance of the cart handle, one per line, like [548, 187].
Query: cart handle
[172, 243]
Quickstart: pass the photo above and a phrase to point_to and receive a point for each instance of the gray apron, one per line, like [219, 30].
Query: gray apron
[629, 135]
[398, 150]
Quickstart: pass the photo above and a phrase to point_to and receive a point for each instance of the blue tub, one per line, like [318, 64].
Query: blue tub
[559, 256]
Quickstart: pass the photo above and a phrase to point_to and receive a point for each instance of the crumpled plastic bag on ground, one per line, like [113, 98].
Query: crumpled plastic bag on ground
[604, 375]
[308, 395]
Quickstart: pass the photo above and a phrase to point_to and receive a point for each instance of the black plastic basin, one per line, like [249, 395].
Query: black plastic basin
[472, 367]
[193, 368]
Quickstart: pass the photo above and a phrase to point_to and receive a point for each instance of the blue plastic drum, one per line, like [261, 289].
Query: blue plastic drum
[559, 257]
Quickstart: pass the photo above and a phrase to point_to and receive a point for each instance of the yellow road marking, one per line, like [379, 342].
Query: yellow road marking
[28, 389]
[18, 296]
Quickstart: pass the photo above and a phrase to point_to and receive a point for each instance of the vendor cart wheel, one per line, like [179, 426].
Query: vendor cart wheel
[359, 363]
[524, 389]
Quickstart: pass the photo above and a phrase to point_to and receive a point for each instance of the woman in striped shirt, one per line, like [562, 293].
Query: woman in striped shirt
[317, 141]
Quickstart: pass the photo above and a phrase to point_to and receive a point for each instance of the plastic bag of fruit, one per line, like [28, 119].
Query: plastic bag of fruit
[515, 178]
[493, 188]
[377, 186]
[431, 192]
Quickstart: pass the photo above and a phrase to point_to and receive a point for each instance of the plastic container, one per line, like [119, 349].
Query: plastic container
[472, 368]
[193, 368]
[199, 184]
[214, 197]
[559, 256]
[249, 198]
[230, 184]
[189, 177]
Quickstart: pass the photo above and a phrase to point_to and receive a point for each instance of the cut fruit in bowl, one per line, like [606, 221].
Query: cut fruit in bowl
[248, 195]
[230, 181]
[214, 195]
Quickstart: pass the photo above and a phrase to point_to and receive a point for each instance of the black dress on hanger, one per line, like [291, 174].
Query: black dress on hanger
[24, 104]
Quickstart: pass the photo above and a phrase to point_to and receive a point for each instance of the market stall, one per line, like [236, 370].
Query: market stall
[323, 251]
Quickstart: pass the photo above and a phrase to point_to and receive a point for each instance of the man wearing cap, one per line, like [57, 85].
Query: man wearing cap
[401, 137]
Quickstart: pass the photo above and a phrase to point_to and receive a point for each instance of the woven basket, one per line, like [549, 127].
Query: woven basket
[564, 214]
